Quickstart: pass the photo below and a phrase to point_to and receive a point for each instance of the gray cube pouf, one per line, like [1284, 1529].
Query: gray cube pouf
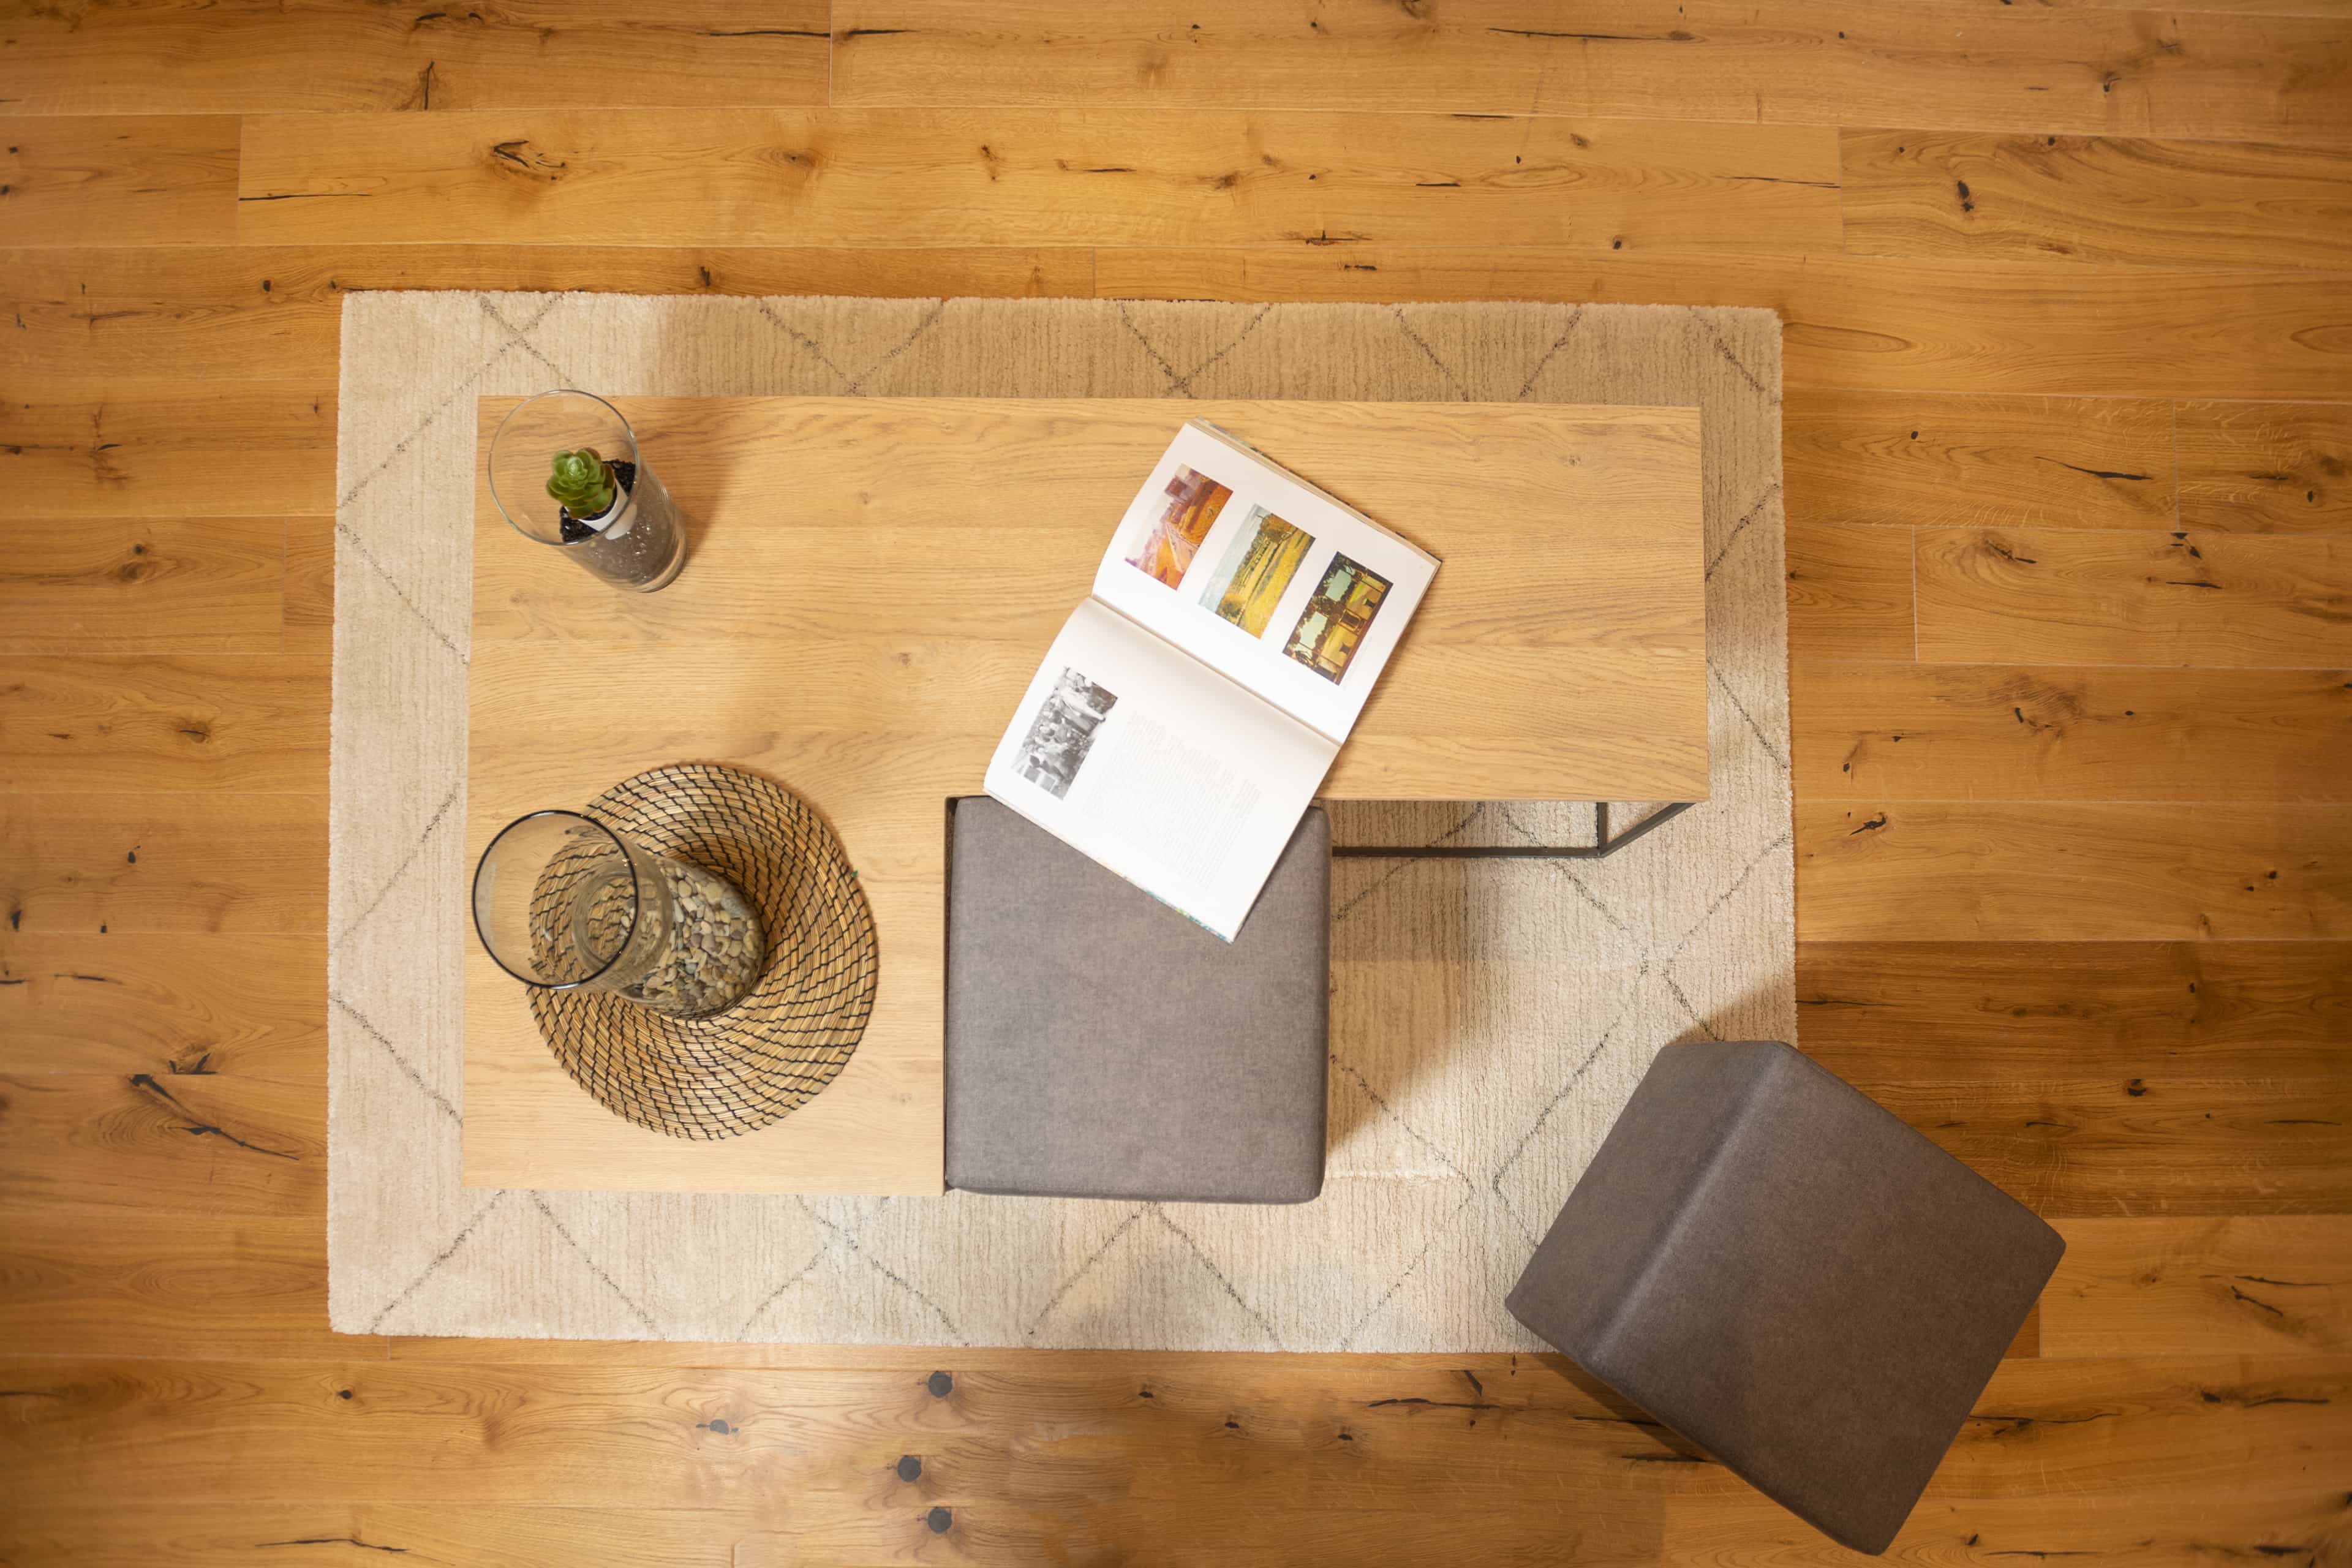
[1099, 1044]
[1791, 1277]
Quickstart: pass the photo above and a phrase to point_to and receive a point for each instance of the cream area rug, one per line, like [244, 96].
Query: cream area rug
[1489, 1017]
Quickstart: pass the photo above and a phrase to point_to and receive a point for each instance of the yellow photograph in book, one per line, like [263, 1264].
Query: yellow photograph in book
[1333, 625]
[1193, 502]
[1258, 568]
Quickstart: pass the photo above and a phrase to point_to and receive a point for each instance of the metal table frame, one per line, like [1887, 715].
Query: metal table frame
[1603, 844]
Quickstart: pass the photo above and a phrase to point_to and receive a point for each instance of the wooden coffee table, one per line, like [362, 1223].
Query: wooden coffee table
[873, 581]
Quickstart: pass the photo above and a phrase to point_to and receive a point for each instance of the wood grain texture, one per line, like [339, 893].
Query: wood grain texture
[2326, 8]
[137, 862]
[2098, 198]
[330, 1534]
[2177, 1527]
[157, 585]
[1917, 459]
[1922, 871]
[335, 1533]
[78, 448]
[2004, 731]
[1938, 65]
[1052, 177]
[822, 1450]
[99, 1143]
[137, 179]
[155, 1281]
[2280, 466]
[1860, 323]
[2053, 596]
[140, 1282]
[1620, 58]
[309, 626]
[247, 57]
[865, 580]
[171, 1004]
[1849, 593]
[217, 313]
[2162, 1146]
[2004, 1011]
[2225, 1286]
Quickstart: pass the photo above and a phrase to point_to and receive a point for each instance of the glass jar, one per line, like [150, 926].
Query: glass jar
[633, 540]
[562, 902]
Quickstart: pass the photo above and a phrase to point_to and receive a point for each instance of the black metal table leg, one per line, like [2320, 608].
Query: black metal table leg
[1601, 845]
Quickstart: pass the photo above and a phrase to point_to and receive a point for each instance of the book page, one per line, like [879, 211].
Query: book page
[1264, 578]
[1166, 773]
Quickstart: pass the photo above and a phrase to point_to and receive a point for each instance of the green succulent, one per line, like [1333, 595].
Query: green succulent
[582, 483]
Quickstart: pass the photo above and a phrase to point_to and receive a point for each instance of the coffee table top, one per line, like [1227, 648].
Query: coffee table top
[872, 582]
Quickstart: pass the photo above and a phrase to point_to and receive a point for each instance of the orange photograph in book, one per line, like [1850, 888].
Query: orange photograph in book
[1193, 502]
[1258, 568]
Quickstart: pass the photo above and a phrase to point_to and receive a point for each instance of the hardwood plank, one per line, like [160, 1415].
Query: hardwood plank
[142, 1283]
[2003, 731]
[2103, 1079]
[2123, 1011]
[1914, 327]
[2096, 73]
[1067, 177]
[151, 585]
[2158, 1145]
[1860, 323]
[2183, 1527]
[153, 1248]
[98, 1143]
[2333, 8]
[120, 448]
[326, 1534]
[1964, 872]
[2280, 466]
[310, 630]
[2054, 597]
[1943, 66]
[1922, 459]
[2243, 1286]
[173, 1005]
[245, 57]
[135, 862]
[1849, 593]
[1711, 61]
[999, 1452]
[121, 180]
[273, 311]
[2097, 198]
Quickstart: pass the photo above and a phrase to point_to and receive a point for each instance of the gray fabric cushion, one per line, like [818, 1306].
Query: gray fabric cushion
[1100, 1045]
[1791, 1277]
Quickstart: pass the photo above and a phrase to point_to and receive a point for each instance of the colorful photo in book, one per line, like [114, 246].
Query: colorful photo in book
[1193, 502]
[1063, 732]
[1333, 625]
[1258, 565]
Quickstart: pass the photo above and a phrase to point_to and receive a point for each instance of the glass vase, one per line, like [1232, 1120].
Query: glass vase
[635, 541]
[564, 902]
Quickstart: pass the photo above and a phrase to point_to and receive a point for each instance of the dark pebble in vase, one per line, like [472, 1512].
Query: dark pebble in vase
[573, 530]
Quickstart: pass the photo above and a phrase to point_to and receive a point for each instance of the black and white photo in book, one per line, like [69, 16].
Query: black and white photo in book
[1063, 732]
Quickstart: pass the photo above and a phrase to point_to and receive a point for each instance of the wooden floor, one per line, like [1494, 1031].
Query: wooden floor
[2068, 293]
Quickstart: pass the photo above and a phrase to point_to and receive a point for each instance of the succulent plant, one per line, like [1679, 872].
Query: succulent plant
[582, 483]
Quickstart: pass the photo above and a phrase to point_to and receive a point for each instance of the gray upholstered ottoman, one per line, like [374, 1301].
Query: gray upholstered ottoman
[1791, 1277]
[1099, 1044]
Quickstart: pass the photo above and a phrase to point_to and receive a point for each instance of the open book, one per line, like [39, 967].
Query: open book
[1189, 710]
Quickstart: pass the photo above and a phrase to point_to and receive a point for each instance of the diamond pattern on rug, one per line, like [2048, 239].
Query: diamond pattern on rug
[1489, 1019]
